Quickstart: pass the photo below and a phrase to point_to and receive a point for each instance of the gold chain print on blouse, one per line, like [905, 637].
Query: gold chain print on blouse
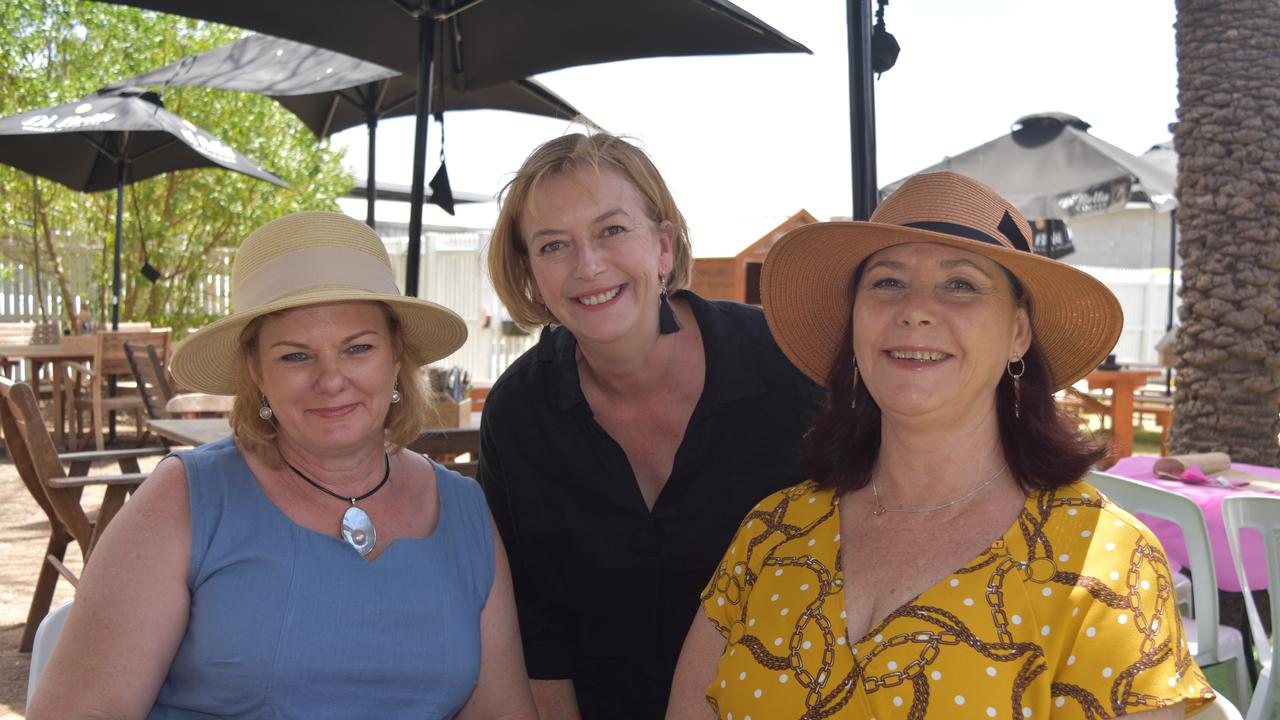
[1070, 614]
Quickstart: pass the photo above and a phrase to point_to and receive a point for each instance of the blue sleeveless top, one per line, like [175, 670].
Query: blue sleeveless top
[287, 622]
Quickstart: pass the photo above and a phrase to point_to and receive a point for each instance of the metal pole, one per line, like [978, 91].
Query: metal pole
[426, 40]
[115, 285]
[371, 189]
[862, 123]
[115, 268]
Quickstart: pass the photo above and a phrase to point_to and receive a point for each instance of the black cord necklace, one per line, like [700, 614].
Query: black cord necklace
[357, 527]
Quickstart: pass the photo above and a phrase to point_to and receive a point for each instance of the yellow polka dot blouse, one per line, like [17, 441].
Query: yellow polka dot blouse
[1071, 614]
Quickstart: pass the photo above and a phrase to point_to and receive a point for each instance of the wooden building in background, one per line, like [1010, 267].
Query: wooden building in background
[738, 278]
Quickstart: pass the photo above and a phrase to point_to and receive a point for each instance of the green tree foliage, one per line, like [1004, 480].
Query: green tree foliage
[56, 51]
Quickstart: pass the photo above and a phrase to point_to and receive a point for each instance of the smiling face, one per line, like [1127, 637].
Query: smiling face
[595, 254]
[934, 327]
[328, 371]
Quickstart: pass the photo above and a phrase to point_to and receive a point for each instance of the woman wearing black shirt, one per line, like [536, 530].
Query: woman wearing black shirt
[620, 453]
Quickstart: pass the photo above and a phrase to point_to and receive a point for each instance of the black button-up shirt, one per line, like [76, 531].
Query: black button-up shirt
[606, 588]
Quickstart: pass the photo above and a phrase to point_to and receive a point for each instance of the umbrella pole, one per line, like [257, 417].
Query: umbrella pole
[115, 287]
[862, 109]
[426, 40]
[115, 266]
[370, 183]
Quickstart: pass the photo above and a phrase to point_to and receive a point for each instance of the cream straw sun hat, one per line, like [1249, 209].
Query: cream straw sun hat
[302, 259]
[806, 282]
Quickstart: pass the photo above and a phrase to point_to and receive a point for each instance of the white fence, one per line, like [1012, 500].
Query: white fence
[1144, 296]
[452, 274]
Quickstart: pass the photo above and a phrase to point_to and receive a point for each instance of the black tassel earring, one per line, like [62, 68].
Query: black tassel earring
[667, 323]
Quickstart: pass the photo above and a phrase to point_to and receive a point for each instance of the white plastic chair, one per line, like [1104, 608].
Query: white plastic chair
[1209, 642]
[46, 638]
[1219, 709]
[1262, 513]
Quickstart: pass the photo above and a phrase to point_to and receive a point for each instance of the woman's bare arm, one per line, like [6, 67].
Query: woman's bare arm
[556, 699]
[130, 611]
[503, 688]
[695, 671]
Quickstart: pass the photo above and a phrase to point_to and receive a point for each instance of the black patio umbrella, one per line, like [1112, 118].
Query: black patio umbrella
[111, 138]
[330, 91]
[479, 43]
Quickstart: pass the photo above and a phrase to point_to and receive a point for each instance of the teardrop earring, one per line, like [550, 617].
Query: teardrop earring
[265, 412]
[395, 392]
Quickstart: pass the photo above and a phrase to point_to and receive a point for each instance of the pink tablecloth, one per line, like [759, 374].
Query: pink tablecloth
[1209, 498]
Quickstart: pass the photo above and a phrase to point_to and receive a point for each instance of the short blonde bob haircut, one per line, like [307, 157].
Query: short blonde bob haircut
[405, 419]
[508, 254]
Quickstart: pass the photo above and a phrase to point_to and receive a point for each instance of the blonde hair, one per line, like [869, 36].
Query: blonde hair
[404, 421]
[508, 254]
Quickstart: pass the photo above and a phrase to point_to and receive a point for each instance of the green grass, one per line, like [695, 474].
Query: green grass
[1146, 440]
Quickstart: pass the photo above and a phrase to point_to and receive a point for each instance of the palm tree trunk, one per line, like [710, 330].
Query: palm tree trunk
[1228, 143]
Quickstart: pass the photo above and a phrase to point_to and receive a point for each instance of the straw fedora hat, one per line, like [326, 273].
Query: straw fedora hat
[305, 259]
[806, 282]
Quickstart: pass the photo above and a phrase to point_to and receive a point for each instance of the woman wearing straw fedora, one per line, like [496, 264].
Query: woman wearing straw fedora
[620, 453]
[306, 567]
[944, 559]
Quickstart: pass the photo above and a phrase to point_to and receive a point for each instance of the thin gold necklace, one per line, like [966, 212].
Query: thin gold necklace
[880, 509]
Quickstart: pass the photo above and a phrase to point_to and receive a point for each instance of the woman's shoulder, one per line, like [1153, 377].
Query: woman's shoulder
[745, 320]
[221, 450]
[532, 369]
[458, 493]
[799, 504]
[1079, 513]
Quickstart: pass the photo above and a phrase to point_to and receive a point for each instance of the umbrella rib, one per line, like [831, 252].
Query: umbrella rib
[171, 140]
[102, 149]
[386, 107]
[328, 117]
[464, 8]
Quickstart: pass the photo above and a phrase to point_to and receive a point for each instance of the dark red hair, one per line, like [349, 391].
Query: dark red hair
[1043, 446]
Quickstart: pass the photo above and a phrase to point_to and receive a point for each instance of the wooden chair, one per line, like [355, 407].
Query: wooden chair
[58, 491]
[109, 361]
[157, 393]
[148, 371]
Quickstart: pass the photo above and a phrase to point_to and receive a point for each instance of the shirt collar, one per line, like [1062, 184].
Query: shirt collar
[730, 349]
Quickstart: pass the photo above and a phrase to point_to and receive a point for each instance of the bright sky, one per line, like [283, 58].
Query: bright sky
[745, 141]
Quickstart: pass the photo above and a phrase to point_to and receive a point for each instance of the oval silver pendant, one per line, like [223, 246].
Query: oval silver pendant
[358, 530]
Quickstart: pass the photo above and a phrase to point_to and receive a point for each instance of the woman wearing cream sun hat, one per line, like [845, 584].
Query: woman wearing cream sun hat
[307, 567]
[945, 558]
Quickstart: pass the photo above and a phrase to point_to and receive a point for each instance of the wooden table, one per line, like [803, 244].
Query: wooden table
[74, 348]
[199, 404]
[190, 431]
[1122, 384]
[436, 442]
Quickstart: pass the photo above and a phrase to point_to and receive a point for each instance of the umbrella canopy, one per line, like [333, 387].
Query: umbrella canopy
[330, 91]
[495, 41]
[111, 138]
[486, 42]
[1049, 166]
